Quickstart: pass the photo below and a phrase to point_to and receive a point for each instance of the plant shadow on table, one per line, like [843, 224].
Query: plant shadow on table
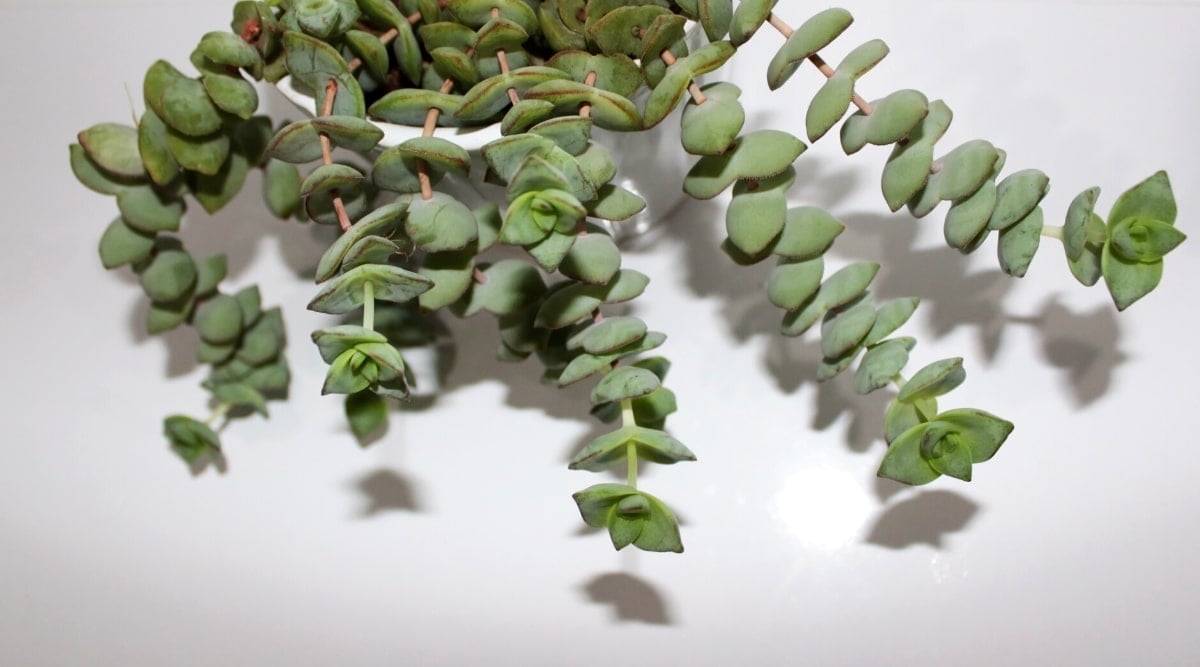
[1085, 345]
[387, 491]
[926, 518]
[631, 598]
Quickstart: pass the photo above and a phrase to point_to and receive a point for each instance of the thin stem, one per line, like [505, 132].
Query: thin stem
[1053, 232]
[368, 321]
[218, 414]
[339, 207]
[786, 30]
[899, 381]
[585, 109]
[631, 455]
[693, 88]
[431, 121]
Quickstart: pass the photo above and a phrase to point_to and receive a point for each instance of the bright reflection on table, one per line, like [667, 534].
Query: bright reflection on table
[822, 507]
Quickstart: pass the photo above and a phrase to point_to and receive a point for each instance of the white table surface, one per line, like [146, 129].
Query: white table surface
[454, 540]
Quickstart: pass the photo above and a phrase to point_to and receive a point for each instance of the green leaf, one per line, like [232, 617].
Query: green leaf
[748, 16]
[586, 365]
[1086, 268]
[552, 250]
[1017, 196]
[614, 202]
[1144, 240]
[1128, 281]
[408, 106]
[715, 16]
[238, 394]
[907, 169]
[330, 177]
[219, 319]
[670, 91]
[963, 171]
[186, 108]
[844, 329]
[893, 119]
[756, 156]
[121, 244]
[281, 188]
[902, 416]
[936, 379]
[231, 94]
[609, 110]
[847, 284]
[609, 335]
[593, 258]
[508, 286]
[813, 35]
[660, 531]
[577, 301]
[152, 147]
[793, 282]
[344, 294]
[945, 452]
[381, 221]
[190, 439]
[1019, 243]
[204, 154]
[216, 190]
[807, 233]
[881, 364]
[611, 448]
[903, 461]
[625, 382]
[486, 99]
[891, 316]
[314, 63]
[1152, 199]
[440, 224]
[756, 215]
[967, 221]
[170, 276]
[1080, 215]
[93, 177]
[451, 274]
[366, 412]
[114, 148]
[712, 127]
[982, 432]
[829, 105]
[597, 502]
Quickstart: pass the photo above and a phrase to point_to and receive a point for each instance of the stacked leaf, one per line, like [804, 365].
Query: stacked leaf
[968, 176]
[198, 136]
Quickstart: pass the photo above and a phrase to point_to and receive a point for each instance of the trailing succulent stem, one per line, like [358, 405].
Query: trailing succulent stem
[548, 73]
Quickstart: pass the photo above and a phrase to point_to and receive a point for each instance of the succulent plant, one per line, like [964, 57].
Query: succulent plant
[548, 73]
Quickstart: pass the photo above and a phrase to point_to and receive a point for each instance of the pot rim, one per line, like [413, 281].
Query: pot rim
[469, 138]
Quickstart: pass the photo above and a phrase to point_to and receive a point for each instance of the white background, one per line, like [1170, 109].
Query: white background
[454, 539]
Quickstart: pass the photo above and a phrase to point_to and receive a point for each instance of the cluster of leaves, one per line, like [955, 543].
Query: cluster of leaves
[967, 176]
[1127, 251]
[198, 137]
[427, 248]
[548, 73]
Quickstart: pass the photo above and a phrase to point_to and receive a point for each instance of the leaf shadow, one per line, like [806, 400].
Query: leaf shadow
[386, 491]
[1084, 345]
[631, 598]
[927, 518]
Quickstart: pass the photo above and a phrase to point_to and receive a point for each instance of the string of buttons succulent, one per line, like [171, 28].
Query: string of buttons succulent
[548, 73]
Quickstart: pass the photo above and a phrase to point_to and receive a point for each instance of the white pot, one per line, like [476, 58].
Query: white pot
[650, 163]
